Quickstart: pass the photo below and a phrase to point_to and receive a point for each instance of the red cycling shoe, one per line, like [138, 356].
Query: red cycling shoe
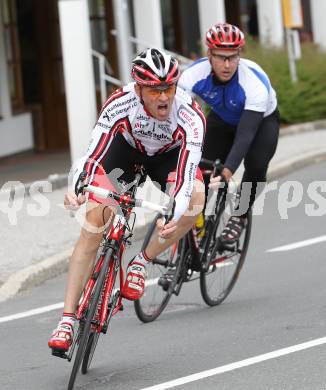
[134, 286]
[62, 337]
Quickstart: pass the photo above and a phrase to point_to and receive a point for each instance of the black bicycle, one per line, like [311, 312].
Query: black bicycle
[196, 256]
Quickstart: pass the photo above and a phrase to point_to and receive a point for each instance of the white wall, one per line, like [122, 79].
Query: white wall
[318, 14]
[148, 22]
[16, 134]
[78, 73]
[270, 22]
[210, 12]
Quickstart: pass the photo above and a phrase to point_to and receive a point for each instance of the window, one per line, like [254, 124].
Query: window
[98, 25]
[12, 51]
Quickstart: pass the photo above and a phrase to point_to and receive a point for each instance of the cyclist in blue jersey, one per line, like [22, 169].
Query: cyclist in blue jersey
[243, 123]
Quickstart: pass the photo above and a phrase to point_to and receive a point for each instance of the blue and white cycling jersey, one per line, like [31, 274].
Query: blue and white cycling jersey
[249, 89]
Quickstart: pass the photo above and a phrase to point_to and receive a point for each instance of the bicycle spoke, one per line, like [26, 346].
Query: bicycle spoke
[157, 291]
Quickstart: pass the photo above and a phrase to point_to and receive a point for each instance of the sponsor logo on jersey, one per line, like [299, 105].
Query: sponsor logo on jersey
[186, 115]
[139, 125]
[210, 95]
[165, 128]
[192, 143]
[121, 103]
[141, 117]
[191, 176]
[196, 132]
[151, 134]
[103, 125]
[111, 116]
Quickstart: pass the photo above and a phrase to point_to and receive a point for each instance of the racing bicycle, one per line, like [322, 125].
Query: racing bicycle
[101, 299]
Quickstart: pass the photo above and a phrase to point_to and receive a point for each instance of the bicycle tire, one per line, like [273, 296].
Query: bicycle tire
[86, 330]
[94, 336]
[219, 294]
[155, 298]
[89, 353]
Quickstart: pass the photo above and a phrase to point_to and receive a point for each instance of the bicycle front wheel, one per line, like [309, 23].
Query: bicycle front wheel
[217, 281]
[85, 327]
[162, 276]
[89, 352]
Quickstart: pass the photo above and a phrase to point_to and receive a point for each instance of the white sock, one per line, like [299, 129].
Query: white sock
[142, 258]
[68, 318]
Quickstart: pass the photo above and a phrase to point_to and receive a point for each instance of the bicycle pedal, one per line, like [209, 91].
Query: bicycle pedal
[224, 246]
[164, 284]
[59, 354]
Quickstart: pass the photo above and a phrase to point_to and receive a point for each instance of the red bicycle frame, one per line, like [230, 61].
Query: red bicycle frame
[115, 234]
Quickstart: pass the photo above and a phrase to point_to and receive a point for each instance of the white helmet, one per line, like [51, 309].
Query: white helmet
[153, 67]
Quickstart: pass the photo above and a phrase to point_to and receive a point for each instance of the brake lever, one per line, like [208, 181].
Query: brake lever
[80, 185]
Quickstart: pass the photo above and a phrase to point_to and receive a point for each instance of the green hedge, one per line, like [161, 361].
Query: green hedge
[298, 102]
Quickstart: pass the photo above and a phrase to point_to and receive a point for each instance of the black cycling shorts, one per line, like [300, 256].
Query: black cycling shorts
[119, 165]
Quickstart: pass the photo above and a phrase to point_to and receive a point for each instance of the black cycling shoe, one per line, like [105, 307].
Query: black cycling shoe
[232, 233]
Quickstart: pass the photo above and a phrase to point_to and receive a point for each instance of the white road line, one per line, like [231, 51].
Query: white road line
[236, 365]
[32, 312]
[299, 244]
[45, 309]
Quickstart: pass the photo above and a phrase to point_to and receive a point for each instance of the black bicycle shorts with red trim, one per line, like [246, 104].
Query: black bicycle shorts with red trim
[118, 166]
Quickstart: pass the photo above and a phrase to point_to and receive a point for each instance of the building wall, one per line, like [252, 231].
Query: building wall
[318, 13]
[16, 134]
[183, 23]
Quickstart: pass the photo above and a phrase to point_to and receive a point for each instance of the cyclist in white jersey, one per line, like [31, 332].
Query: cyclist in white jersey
[149, 122]
[243, 123]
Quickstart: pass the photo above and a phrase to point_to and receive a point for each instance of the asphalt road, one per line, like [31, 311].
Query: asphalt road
[278, 302]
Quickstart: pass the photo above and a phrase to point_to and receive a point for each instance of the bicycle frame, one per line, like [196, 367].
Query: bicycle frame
[198, 248]
[114, 262]
[115, 241]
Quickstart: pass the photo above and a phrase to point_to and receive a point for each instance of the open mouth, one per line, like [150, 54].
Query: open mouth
[162, 107]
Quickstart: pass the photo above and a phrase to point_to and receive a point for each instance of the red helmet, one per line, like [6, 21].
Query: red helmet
[224, 36]
[153, 67]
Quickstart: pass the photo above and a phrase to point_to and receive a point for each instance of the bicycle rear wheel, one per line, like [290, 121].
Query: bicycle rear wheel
[86, 322]
[158, 288]
[223, 269]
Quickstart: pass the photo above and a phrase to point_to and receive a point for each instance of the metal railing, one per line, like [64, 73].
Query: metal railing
[183, 61]
[104, 67]
[104, 77]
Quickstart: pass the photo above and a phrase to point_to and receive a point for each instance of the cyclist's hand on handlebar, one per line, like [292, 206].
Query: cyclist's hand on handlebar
[218, 181]
[72, 202]
[165, 230]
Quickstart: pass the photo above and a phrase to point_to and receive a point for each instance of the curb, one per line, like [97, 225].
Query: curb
[303, 127]
[35, 274]
[55, 265]
[49, 268]
[56, 180]
[295, 163]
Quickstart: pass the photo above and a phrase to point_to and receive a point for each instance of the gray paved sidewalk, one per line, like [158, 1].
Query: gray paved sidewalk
[35, 248]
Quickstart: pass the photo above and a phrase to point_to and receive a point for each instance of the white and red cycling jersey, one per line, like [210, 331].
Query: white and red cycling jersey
[124, 113]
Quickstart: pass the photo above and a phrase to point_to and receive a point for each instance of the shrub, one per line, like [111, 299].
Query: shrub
[298, 102]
